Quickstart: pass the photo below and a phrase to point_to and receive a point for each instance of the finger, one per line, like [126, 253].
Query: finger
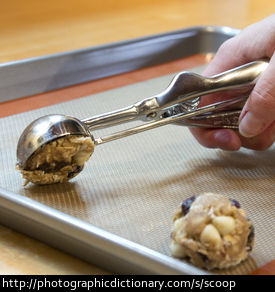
[232, 140]
[259, 110]
[225, 139]
[260, 142]
[245, 47]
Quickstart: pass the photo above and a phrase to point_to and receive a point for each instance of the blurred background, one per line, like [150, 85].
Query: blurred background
[32, 28]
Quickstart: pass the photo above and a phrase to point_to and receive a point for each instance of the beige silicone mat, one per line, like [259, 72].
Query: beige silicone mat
[130, 187]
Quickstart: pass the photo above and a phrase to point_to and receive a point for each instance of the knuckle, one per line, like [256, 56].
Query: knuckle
[227, 46]
[263, 96]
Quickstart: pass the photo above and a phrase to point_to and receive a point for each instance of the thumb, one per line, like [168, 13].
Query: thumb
[259, 110]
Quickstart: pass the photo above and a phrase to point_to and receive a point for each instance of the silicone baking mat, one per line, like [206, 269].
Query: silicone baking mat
[131, 187]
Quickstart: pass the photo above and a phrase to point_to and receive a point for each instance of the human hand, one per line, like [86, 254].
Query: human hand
[257, 120]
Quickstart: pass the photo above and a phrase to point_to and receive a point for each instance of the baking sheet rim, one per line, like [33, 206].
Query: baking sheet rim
[14, 206]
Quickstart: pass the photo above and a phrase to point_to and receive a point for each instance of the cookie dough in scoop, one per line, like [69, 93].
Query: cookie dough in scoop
[58, 161]
[212, 231]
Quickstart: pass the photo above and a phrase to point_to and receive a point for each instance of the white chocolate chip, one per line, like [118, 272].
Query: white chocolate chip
[178, 224]
[242, 212]
[224, 224]
[210, 235]
[177, 250]
[81, 157]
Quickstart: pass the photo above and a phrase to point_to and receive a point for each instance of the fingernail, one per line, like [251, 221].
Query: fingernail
[250, 125]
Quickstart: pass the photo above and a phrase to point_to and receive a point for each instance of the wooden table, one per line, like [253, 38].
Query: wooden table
[34, 28]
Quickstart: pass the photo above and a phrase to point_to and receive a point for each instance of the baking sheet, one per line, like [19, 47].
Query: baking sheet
[130, 187]
[36, 75]
[118, 212]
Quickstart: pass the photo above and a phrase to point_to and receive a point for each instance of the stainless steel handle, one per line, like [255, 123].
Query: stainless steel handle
[187, 86]
[187, 119]
[184, 88]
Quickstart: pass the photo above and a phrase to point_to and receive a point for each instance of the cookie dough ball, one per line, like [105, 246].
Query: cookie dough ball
[212, 231]
[58, 161]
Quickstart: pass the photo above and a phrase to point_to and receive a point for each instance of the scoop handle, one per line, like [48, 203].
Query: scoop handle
[187, 86]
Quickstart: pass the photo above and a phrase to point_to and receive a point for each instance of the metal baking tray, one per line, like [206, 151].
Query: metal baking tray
[37, 75]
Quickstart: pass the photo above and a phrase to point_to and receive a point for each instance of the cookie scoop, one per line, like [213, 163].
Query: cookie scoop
[178, 104]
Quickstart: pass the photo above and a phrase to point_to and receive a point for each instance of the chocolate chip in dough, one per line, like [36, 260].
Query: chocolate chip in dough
[250, 238]
[204, 258]
[235, 203]
[186, 204]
